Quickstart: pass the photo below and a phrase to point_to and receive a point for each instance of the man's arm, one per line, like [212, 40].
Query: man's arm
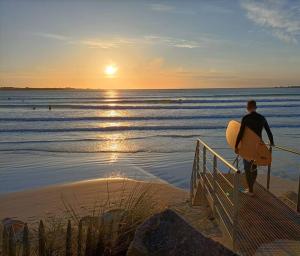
[268, 130]
[240, 134]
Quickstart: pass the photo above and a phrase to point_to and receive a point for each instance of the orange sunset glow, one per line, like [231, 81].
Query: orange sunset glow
[168, 45]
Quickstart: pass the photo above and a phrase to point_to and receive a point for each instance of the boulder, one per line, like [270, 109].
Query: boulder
[167, 234]
[17, 227]
[109, 222]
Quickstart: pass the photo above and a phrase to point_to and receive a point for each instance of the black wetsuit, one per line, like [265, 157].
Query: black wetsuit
[256, 123]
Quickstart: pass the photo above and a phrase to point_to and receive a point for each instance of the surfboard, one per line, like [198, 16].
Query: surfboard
[251, 146]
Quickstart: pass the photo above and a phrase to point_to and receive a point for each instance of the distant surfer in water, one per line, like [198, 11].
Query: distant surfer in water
[256, 123]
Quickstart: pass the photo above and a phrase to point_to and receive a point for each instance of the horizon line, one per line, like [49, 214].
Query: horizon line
[120, 89]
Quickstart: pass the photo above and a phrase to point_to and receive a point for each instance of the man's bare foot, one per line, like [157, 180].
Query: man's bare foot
[248, 193]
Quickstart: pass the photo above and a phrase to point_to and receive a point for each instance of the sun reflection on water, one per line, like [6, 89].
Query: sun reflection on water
[113, 158]
[111, 94]
[112, 124]
[112, 113]
[114, 144]
[116, 175]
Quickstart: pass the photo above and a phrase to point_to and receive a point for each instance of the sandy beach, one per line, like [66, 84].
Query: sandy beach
[279, 186]
[31, 205]
[45, 203]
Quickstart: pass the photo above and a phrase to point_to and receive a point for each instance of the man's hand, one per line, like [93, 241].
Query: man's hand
[236, 150]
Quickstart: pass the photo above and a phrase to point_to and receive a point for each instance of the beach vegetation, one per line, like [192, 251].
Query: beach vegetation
[105, 228]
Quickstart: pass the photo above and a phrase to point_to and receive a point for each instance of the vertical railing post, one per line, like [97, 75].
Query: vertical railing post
[269, 172]
[197, 159]
[194, 172]
[214, 184]
[193, 176]
[235, 224]
[203, 174]
[298, 201]
[204, 160]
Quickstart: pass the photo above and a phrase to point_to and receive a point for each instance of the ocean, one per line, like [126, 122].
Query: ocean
[140, 134]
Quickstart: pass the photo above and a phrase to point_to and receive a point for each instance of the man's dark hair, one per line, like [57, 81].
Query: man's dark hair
[251, 104]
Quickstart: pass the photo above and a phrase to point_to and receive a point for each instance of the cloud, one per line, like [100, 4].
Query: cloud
[106, 43]
[103, 43]
[173, 42]
[53, 36]
[118, 42]
[280, 16]
[162, 7]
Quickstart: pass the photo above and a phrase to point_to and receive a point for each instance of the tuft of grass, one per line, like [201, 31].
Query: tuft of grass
[106, 227]
[109, 225]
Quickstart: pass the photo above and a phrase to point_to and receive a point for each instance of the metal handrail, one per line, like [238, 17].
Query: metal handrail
[207, 183]
[286, 149]
[228, 215]
[219, 157]
[269, 172]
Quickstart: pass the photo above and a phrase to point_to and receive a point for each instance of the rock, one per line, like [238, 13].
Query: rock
[90, 220]
[16, 225]
[167, 234]
[109, 222]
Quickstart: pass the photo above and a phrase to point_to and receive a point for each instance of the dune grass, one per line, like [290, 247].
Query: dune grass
[104, 228]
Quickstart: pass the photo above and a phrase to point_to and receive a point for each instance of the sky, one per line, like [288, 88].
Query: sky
[140, 44]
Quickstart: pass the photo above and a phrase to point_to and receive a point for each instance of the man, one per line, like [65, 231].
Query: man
[256, 123]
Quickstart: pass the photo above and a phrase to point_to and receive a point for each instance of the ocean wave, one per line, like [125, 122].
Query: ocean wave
[146, 101]
[164, 96]
[123, 107]
[97, 151]
[131, 118]
[103, 139]
[131, 128]
[113, 128]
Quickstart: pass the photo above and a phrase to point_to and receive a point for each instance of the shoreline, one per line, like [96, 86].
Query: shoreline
[82, 181]
[37, 203]
[277, 184]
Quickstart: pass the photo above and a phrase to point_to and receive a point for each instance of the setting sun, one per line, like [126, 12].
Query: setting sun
[110, 70]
